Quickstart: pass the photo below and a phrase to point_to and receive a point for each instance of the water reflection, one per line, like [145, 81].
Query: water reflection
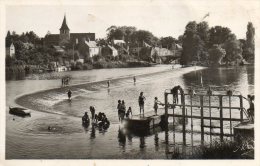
[121, 138]
[93, 132]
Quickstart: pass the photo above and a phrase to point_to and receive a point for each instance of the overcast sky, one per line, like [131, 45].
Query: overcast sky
[162, 18]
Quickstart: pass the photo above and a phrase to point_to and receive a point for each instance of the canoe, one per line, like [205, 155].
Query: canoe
[19, 111]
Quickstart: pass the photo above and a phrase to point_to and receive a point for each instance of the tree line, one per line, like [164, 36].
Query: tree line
[201, 44]
[215, 45]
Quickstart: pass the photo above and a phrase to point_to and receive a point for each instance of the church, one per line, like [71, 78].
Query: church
[66, 37]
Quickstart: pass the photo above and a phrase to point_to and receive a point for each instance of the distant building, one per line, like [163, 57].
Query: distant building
[10, 51]
[113, 51]
[92, 48]
[161, 54]
[109, 50]
[66, 37]
[119, 42]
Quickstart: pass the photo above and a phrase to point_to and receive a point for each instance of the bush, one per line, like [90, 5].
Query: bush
[87, 66]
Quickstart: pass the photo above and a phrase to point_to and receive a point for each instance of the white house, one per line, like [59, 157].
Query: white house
[93, 49]
[114, 51]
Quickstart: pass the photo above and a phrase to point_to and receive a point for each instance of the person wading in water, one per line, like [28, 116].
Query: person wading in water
[119, 109]
[141, 102]
[92, 110]
[69, 94]
[156, 103]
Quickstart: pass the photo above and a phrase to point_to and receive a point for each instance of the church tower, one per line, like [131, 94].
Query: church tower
[64, 32]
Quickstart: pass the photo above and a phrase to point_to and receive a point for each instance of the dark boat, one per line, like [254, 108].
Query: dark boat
[19, 111]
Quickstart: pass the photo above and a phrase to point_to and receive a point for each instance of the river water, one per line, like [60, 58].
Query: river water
[29, 138]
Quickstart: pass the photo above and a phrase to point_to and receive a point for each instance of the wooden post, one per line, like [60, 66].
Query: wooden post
[221, 118]
[183, 118]
[210, 119]
[191, 123]
[241, 108]
[166, 107]
[230, 115]
[202, 120]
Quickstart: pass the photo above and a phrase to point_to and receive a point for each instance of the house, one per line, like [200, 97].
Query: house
[66, 37]
[161, 54]
[113, 51]
[119, 42]
[10, 51]
[58, 49]
[92, 48]
[109, 50]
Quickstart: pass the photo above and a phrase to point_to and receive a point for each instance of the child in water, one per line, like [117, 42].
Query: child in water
[156, 103]
[128, 112]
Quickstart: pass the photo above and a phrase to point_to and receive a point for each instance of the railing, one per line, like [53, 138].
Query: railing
[188, 101]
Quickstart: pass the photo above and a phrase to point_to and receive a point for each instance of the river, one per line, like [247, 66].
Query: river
[29, 138]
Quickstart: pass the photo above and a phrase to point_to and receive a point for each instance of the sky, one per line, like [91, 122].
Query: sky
[162, 18]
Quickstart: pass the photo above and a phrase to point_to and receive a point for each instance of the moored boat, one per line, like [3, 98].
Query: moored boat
[19, 111]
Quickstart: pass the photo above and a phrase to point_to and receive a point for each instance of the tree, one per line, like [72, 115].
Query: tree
[216, 54]
[192, 44]
[249, 51]
[233, 50]
[167, 42]
[218, 35]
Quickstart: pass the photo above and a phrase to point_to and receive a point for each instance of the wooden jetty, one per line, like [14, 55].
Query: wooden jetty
[147, 121]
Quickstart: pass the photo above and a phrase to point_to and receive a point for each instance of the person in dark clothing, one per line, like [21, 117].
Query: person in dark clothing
[141, 102]
[85, 118]
[175, 92]
[251, 109]
[123, 110]
[96, 118]
[62, 82]
[108, 83]
[69, 94]
[134, 79]
[129, 111]
[92, 110]
[119, 109]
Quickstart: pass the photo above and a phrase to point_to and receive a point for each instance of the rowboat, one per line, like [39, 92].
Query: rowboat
[19, 111]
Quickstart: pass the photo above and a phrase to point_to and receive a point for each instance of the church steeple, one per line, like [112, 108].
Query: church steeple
[64, 25]
[64, 32]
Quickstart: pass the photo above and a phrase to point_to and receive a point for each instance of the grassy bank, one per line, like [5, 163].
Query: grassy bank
[220, 150]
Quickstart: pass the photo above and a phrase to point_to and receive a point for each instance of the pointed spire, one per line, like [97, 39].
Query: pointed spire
[64, 25]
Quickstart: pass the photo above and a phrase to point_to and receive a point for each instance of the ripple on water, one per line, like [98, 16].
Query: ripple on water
[51, 125]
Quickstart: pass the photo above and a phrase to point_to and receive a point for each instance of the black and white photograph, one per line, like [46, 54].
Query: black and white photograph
[129, 80]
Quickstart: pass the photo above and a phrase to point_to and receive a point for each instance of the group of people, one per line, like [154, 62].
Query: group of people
[99, 119]
[65, 81]
[122, 113]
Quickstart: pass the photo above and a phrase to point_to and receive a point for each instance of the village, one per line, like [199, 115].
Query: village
[73, 51]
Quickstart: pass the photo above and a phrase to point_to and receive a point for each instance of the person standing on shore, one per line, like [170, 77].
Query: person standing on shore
[141, 102]
[69, 94]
